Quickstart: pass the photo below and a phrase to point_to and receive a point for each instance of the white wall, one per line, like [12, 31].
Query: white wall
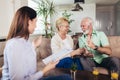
[6, 13]
[89, 11]
[117, 19]
[7, 9]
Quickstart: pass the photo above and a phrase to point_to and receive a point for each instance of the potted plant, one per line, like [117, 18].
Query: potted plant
[74, 67]
[45, 9]
[73, 70]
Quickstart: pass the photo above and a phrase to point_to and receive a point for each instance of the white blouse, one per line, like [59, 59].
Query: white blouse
[57, 44]
[20, 61]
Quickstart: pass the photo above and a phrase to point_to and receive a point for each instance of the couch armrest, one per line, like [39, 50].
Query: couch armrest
[1, 55]
[0, 72]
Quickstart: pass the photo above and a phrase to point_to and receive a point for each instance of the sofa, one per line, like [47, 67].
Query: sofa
[44, 50]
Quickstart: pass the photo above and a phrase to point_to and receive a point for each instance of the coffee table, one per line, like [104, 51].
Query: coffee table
[83, 75]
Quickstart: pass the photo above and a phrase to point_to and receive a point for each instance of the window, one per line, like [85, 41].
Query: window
[40, 29]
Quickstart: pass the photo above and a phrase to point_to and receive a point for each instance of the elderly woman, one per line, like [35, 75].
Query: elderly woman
[62, 41]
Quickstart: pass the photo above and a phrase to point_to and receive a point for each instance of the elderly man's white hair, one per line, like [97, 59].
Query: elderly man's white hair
[90, 20]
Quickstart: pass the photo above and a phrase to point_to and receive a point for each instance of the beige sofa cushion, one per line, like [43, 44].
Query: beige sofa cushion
[115, 45]
[44, 50]
[2, 45]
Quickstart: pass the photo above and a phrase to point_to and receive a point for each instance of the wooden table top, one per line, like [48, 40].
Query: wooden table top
[83, 75]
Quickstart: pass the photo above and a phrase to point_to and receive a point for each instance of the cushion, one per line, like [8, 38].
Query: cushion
[2, 45]
[44, 50]
[115, 45]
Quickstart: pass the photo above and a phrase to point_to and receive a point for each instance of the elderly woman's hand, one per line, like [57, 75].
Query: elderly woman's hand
[78, 51]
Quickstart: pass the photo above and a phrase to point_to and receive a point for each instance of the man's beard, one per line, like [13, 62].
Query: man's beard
[86, 32]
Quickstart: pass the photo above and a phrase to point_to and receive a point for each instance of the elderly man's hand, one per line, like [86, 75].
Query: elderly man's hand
[91, 44]
[88, 54]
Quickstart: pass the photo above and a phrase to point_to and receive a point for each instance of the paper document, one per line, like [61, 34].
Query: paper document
[57, 56]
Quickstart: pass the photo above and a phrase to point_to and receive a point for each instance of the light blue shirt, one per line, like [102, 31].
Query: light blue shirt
[100, 39]
[20, 61]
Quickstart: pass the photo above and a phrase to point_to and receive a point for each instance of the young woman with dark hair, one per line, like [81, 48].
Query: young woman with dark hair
[19, 53]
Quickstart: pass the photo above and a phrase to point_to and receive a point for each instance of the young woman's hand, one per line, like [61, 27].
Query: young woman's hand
[37, 41]
[50, 66]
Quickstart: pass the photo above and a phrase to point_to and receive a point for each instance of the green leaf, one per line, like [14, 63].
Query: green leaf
[74, 66]
[45, 8]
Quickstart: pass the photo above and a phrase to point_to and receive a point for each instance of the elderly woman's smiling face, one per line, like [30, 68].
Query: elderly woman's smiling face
[64, 27]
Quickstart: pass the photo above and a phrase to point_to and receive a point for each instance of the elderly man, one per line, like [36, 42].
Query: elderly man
[97, 49]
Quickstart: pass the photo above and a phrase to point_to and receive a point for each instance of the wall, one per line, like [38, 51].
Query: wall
[7, 9]
[105, 19]
[89, 10]
[6, 13]
[117, 17]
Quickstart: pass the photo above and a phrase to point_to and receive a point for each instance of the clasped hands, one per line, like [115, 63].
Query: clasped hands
[91, 45]
[81, 51]
[84, 51]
